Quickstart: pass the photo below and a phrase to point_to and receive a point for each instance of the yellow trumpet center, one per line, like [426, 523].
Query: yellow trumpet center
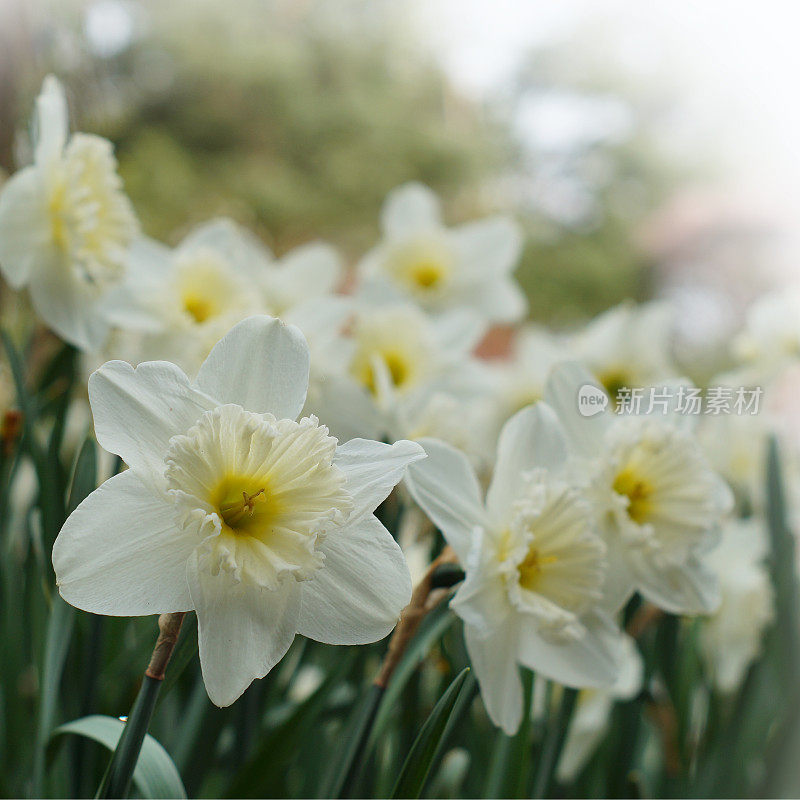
[427, 274]
[198, 307]
[639, 493]
[530, 568]
[244, 505]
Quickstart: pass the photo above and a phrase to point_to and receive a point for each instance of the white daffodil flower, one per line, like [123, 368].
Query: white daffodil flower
[519, 380]
[770, 339]
[258, 522]
[395, 358]
[535, 565]
[66, 225]
[730, 639]
[736, 446]
[397, 350]
[198, 291]
[627, 346]
[659, 503]
[442, 268]
[309, 271]
[464, 422]
[217, 276]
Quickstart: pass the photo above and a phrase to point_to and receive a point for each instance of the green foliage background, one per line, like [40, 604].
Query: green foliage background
[297, 118]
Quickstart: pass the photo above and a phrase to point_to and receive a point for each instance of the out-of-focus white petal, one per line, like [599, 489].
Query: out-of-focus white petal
[586, 731]
[243, 629]
[590, 662]
[482, 600]
[123, 552]
[631, 673]
[262, 365]
[445, 486]
[494, 659]
[316, 268]
[363, 585]
[460, 331]
[237, 245]
[320, 318]
[501, 300]
[137, 411]
[25, 236]
[532, 438]
[69, 307]
[51, 121]
[373, 469]
[619, 584]
[409, 209]
[561, 394]
[686, 588]
[345, 407]
[489, 246]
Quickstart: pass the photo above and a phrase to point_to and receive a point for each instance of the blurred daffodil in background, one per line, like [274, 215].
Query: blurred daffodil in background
[412, 404]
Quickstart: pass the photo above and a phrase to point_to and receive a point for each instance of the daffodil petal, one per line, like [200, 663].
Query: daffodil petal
[347, 409]
[262, 365]
[409, 209]
[122, 552]
[500, 300]
[363, 585]
[25, 236]
[488, 247]
[373, 469]
[533, 438]
[69, 307]
[237, 245]
[494, 659]
[686, 588]
[445, 486]
[52, 121]
[482, 601]
[137, 411]
[315, 266]
[592, 661]
[243, 629]
[585, 433]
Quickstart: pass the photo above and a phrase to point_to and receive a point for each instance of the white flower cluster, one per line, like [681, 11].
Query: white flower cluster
[240, 501]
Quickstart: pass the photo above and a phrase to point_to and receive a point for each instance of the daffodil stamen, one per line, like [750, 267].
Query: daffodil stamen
[233, 513]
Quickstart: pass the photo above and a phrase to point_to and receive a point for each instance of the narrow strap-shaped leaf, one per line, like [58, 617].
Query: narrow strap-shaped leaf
[428, 743]
[519, 755]
[498, 765]
[51, 495]
[84, 475]
[155, 775]
[282, 743]
[782, 563]
[345, 767]
[554, 743]
[118, 777]
[60, 624]
[433, 627]
[59, 632]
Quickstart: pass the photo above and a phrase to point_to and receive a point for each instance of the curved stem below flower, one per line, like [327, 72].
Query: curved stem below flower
[118, 777]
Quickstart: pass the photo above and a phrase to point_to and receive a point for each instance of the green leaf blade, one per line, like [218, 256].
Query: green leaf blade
[155, 775]
[430, 740]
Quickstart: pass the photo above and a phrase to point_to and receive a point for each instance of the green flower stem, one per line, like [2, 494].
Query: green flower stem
[118, 777]
[434, 587]
[554, 743]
